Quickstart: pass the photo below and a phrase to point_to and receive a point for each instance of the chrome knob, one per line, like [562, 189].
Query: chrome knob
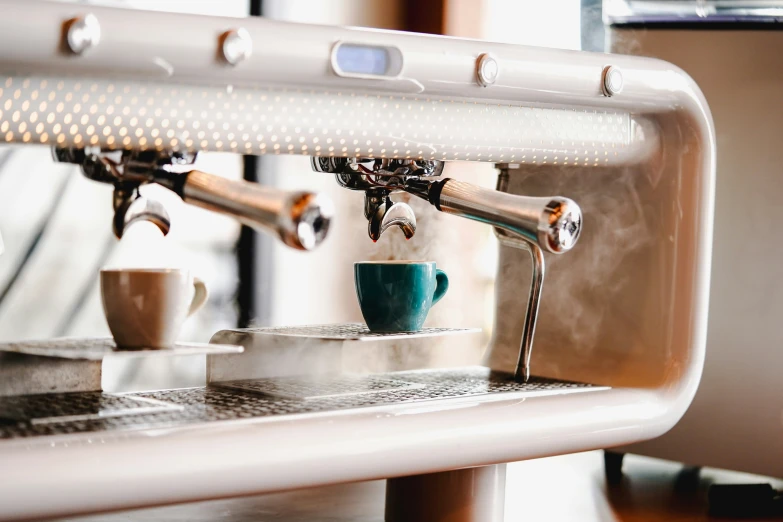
[560, 225]
[236, 45]
[82, 33]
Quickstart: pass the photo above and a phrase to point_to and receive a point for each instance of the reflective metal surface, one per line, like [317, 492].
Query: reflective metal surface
[82, 33]
[531, 312]
[387, 214]
[552, 223]
[67, 408]
[136, 208]
[98, 348]
[300, 219]
[344, 332]
[612, 80]
[379, 178]
[236, 45]
[260, 399]
[618, 12]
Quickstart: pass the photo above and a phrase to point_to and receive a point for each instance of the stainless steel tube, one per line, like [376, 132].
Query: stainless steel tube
[522, 372]
[300, 219]
[553, 223]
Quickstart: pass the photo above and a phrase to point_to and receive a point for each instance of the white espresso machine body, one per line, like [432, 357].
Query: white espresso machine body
[615, 151]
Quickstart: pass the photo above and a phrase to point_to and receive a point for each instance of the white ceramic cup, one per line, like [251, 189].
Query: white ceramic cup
[145, 308]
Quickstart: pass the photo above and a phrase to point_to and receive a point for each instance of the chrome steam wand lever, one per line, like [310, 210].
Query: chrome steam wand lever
[532, 223]
[552, 223]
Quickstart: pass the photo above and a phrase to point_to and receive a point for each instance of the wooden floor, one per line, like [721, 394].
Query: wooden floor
[568, 488]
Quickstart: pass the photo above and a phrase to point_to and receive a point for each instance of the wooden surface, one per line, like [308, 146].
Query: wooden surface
[567, 488]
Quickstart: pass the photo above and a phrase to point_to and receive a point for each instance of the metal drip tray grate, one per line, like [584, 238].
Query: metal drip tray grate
[96, 349]
[317, 387]
[352, 332]
[76, 407]
[262, 399]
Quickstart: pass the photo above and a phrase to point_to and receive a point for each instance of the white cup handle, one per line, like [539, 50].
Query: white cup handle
[199, 296]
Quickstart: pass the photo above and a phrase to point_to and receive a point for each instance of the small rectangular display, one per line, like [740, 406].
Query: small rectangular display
[362, 59]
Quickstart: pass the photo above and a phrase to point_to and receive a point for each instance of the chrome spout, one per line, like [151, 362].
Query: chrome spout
[389, 214]
[130, 208]
[534, 224]
[553, 223]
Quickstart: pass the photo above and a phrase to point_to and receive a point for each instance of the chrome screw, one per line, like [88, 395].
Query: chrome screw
[237, 45]
[487, 69]
[611, 81]
[83, 33]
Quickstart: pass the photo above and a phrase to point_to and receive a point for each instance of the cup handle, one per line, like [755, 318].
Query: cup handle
[441, 285]
[199, 296]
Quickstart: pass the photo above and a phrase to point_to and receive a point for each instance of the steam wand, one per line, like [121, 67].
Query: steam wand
[534, 224]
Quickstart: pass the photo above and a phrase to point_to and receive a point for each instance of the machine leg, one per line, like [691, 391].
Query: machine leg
[613, 466]
[463, 495]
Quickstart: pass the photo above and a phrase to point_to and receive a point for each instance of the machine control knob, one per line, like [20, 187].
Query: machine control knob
[236, 45]
[82, 33]
[611, 81]
[487, 69]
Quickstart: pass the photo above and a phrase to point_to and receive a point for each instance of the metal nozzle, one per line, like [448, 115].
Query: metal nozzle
[552, 223]
[300, 219]
[388, 214]
[131, 208]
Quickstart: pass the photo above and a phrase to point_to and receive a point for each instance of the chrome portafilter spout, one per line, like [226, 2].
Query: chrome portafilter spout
[300, 219]
[130, 208]
[382, 213]
[378, 178]
[532, 223]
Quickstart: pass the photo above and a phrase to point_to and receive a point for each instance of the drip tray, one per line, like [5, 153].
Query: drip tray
[262, 399]
[57, 408]
[349, 332]
[320, 387]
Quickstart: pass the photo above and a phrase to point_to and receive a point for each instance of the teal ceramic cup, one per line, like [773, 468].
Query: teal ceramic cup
[396, 296]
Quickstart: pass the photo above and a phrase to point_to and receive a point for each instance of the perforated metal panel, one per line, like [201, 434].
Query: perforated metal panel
[96, 349]
[57, 408]
[318, 387]
[348, 332]
[262, 399]
[125, 114]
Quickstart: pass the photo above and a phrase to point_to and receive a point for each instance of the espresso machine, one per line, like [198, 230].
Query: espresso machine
[608, 160]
